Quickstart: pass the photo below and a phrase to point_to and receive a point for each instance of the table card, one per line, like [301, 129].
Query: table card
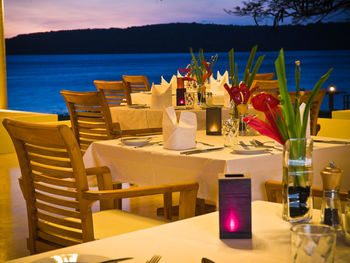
[182, 135]
[235, 213]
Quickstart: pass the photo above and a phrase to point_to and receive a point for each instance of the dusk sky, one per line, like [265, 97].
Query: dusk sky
[28, 16]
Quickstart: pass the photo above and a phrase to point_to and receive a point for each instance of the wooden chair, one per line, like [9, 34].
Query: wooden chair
[314, 108]
[264, 76]
[116, 92]
[274, 192]
[55, 188]
[137, 83]
[90, 117]
[268, 86]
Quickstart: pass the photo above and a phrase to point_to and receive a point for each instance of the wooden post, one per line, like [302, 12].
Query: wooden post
[3, 85]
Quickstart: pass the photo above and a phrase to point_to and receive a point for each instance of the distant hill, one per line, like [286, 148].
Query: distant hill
[178, 37]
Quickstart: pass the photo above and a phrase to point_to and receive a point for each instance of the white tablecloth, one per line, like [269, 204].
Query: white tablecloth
[152, 165]
[145, 98]
[130, 118]
[189, 240]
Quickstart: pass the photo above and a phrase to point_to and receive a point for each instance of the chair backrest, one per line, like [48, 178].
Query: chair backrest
[264, 76]
[137, 83]
[52, 182]
[90, 117]
[116, 92]
[267, 86]
[314, 108]
[274, 192]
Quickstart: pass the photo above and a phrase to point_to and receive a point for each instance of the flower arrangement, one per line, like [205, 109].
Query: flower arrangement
[199, 70]
[283, 118]
[240, 92]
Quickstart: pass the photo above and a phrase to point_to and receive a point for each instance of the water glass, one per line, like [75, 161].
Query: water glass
[230, 131]
[189, 99]
[313, 243]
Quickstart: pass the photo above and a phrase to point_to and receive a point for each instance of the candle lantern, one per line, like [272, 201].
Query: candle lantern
[180, 83]
[213, 121]
[235, 213]
[180, 97]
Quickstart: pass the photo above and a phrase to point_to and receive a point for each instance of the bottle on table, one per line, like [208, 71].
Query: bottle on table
[331, 211]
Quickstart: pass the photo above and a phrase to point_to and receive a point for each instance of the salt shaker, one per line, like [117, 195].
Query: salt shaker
[331, 212]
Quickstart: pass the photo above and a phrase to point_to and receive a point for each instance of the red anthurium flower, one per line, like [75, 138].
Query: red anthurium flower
[264, 102]
[239, 94]
[264, 128]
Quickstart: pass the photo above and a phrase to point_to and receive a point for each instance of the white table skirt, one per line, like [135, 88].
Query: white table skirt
[130, 118]
[145, 98]
[187, 241]
[153, 165]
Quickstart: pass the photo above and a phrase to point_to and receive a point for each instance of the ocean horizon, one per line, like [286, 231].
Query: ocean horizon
[34, 82]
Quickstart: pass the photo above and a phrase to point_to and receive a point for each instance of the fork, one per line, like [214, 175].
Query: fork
[154, 259]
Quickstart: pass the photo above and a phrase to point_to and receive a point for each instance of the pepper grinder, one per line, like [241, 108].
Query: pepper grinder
[331, 212]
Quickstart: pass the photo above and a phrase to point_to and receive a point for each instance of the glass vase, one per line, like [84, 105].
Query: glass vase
[297, 180]
[242, 111]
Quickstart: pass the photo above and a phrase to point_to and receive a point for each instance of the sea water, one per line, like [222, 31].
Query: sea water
[34, 82]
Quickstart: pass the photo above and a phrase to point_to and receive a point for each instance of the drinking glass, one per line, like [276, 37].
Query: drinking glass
[313, 243]
[230, 131]
[189, 99]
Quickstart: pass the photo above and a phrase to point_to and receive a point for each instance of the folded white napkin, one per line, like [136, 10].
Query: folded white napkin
[301, 110]
[182, 135]
[161, 96]
[179, 75]
[173, 83]
[217, 86]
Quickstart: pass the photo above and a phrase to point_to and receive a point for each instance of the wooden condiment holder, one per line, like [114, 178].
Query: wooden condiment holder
[331, 177]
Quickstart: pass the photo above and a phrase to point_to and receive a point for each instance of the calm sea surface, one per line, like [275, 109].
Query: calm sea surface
[34, 81]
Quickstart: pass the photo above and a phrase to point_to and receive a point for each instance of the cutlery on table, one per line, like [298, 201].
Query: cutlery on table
[148, 144]
[332, 141]
[245, 146]
[261, 144]
[201, 150]
[154, 259]
[116, 260]
[204, 143]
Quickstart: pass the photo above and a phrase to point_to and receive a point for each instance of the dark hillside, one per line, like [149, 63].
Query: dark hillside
[178, 37]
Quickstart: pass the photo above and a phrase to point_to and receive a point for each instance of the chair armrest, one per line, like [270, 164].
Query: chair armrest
[97, 170]
[188, 194]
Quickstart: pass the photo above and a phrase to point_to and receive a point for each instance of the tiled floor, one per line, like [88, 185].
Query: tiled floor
[13, 218]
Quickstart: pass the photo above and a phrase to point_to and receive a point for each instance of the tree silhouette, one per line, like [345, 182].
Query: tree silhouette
[298, 10]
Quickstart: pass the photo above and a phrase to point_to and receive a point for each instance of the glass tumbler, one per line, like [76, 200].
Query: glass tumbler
[230, 131]
[189, 99]
[313, 243]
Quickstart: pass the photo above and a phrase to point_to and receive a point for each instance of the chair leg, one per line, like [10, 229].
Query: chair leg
[117, 202]
[168, 202]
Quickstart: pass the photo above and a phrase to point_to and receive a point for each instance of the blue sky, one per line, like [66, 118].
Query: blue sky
[28, 16]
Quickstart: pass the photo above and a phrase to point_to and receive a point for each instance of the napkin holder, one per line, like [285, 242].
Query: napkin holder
[213, 120]
[235, 212]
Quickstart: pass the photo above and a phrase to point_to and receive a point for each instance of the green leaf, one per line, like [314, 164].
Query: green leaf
[248, 67]
[236, 76]
[308, 103]
[232, 68]
[287, 107]
[197, 70]
[255, 70]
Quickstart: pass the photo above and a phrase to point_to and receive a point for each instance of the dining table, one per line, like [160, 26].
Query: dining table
[131, 118]
[151, 164]
[191, 240]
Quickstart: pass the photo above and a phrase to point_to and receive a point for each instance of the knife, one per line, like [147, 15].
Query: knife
[201, 150]
[116, 260]
[333, 142]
